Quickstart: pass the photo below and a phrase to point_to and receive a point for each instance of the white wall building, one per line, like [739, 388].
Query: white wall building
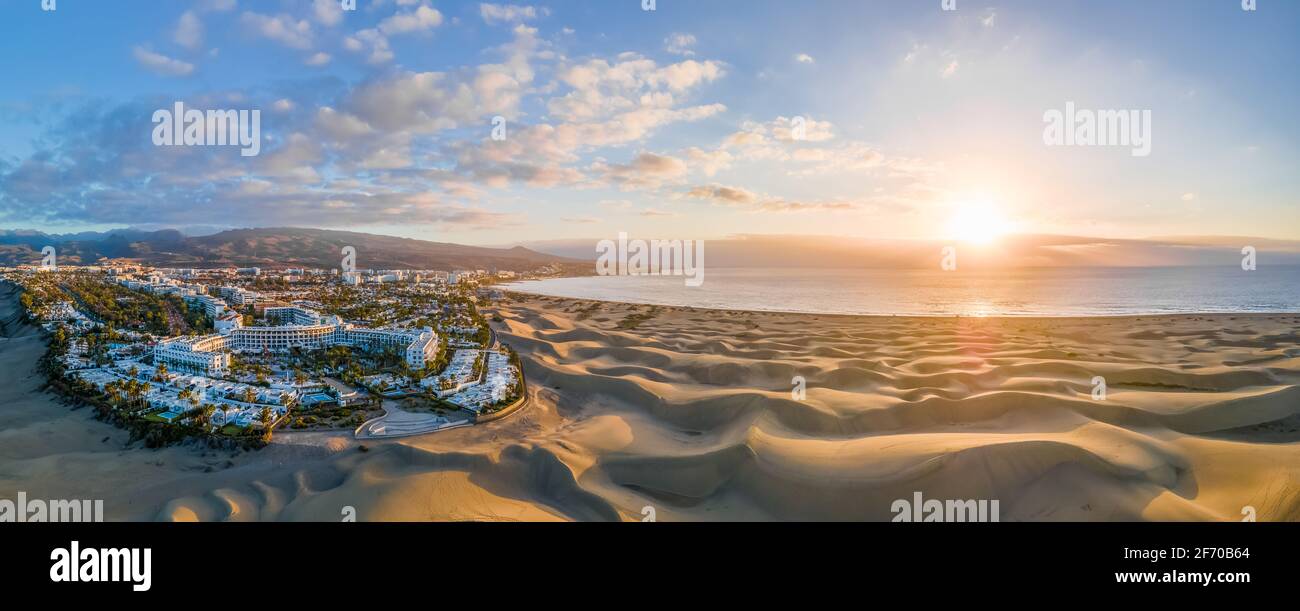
[228, 322]
[209, 353]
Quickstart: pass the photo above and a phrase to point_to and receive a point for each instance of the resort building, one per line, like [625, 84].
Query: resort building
[228, 322]
[208, 355]
[299, 328]
[422, 350]
[212, 307]
[293, 315]
[238, 296]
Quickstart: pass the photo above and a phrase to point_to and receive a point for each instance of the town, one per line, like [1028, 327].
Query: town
[234, 354]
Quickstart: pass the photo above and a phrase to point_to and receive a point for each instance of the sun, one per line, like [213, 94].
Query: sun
[978, 223]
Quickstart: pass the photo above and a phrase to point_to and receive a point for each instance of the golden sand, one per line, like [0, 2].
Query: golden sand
[691, 412]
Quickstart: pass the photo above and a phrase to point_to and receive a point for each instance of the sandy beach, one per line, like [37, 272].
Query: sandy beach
[690, 412]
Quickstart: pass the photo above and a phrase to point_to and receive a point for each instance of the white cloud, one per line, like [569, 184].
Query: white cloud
[645, 171]
[680, 44]
[709, 162]
[380, 52]
[318, 59]
[161, 64]
[508, 13]
[783, 129]
[601, 89]
[342, 126]
[421, 19]
[804, 58]
[741, 197]
[427, 102]
[189, 31]
[283, 29]
[327, 12]
[723, 194]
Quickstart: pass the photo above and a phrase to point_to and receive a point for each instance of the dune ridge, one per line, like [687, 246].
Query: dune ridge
[691, 413]
[959, 408]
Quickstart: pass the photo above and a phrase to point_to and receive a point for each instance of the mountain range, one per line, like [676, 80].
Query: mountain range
[270, 248]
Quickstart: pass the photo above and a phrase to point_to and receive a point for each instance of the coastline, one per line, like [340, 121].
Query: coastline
[918, 317]
[1013, 293]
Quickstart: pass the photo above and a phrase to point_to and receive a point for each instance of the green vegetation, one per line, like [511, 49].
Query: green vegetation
[635, 319]
[120, 307]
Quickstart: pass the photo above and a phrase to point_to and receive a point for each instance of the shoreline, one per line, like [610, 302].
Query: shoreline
[922, 317]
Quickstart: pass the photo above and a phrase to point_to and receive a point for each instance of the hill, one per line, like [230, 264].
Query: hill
[268, 247]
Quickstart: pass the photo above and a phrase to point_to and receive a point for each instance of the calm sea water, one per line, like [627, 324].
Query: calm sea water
[1026, 292]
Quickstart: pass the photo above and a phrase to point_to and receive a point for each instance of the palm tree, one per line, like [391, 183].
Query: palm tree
[113, 390]
[133, 390]
[265, 418]
[250, 395]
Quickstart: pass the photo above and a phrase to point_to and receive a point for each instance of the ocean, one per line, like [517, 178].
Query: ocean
[1019, 292]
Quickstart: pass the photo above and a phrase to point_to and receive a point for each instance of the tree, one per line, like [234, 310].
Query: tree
[265, 418]
[250, 395]
[113, 390]
[141, 391]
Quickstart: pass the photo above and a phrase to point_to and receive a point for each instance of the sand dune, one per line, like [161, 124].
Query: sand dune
[956, 408]
[691, 413]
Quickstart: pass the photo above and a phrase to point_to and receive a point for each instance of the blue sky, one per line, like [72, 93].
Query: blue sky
[695, 120]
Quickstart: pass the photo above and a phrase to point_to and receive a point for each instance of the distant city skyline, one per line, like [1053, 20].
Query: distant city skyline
[494, 123]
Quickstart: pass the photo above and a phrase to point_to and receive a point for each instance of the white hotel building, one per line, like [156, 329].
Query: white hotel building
[208, 354]
[212, 306]
[299, 328]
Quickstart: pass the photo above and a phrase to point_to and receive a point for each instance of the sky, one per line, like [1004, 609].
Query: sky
[873, 119]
